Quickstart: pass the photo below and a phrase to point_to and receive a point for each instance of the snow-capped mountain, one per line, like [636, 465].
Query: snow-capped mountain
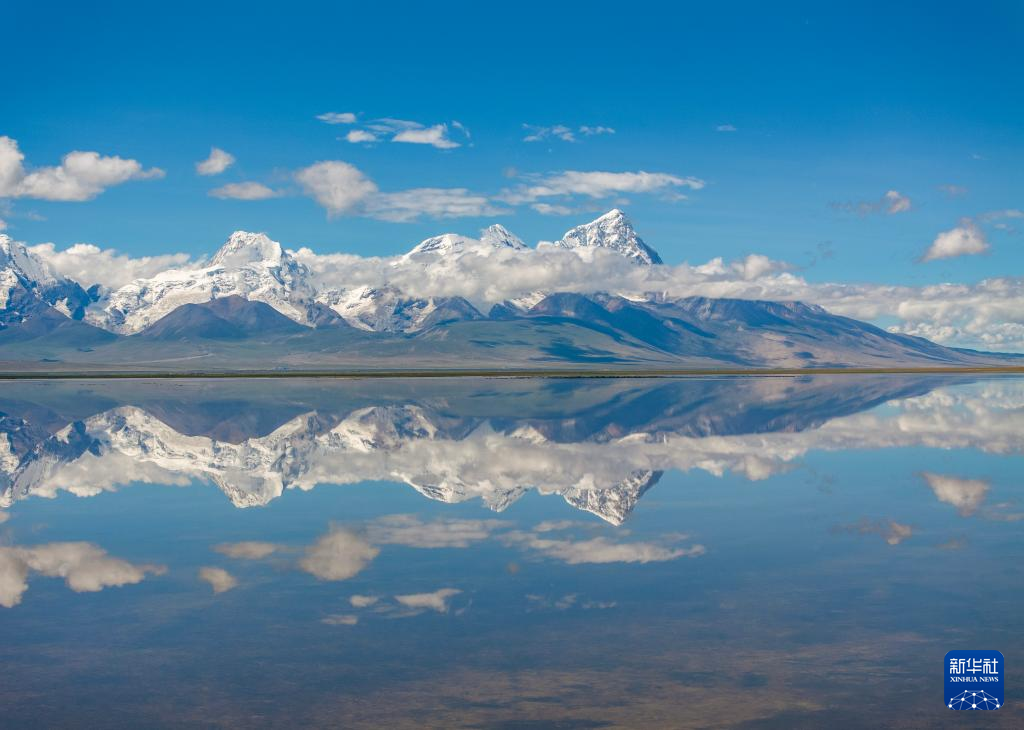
[28, 285]
[386, 309]
[612, 231]
[249, 265]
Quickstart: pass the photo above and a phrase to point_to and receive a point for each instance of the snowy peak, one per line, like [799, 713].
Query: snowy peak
[445, 244]
[28, 283]
[612, 231]
[499, 237]
[16, 258]
[244, 248]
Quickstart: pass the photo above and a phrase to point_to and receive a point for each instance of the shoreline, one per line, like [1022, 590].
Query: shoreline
[499, 373]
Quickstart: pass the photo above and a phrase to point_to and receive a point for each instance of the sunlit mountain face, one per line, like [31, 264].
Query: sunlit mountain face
[275, 552]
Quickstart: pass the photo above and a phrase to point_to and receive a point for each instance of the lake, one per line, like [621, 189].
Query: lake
[744, 552]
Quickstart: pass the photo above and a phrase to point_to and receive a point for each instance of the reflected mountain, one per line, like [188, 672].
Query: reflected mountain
[600, 444]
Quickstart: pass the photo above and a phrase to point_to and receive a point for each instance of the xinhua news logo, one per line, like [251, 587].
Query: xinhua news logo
[974, 680]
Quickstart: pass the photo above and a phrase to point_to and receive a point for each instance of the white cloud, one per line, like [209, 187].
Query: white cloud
[896, 202]
[562, 132]
[218, 578]
[891, 203]
[3, 225]
[725, 128]
[337, 186]
[247, 550]
[404, 131]
[85, 568]
[953, 191]
[360, 136]
[340, 619]
[343, 189]
[435, 136]
[408, 205]
[4, 517]
[597, 184]
[358, 601]
[549, 209]
[80, 176]
[216, 163]
[244, 191]
[410, 531]
[967, 239]
[89, 264]
[436, 601]
[338, 555]
[600, 549]
[964, 494]
[337, 117]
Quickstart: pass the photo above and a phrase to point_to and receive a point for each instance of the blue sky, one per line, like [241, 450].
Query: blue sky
[832, 107]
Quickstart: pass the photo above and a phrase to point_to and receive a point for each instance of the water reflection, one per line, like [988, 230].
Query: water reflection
[749, 552]
[600, 446]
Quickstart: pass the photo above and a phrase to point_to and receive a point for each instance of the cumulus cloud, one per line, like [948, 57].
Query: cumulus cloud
[358, 601]
[435, 136]
[337, 186]
[338, 555]
[343, 189]
[964, 494]
[967, 239]
[953, 191]
[247, 549]
[360, 136]
[599, 549]
[218, 578]
[596, 184]
[89, 264]
[725, 128]
[85, 568]
[410, 531]
[244, 191]
[216, 163]
[80, 176]
[436, 601]
[337, 117]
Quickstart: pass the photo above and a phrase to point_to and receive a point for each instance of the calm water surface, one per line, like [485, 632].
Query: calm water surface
[718, 552]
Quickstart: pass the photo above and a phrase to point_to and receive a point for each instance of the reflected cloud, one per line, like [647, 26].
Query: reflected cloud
[247, 550]
[85, 568]
[218, 578]
[599, 549]
[436, 601]
[340, 619]
[410, 531]
[891, 531]
[338, 555]
[964, 494]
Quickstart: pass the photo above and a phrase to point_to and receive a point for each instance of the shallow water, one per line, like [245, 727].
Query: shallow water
[705, 552]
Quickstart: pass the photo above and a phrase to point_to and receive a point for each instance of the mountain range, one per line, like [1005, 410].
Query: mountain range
[255, 306]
